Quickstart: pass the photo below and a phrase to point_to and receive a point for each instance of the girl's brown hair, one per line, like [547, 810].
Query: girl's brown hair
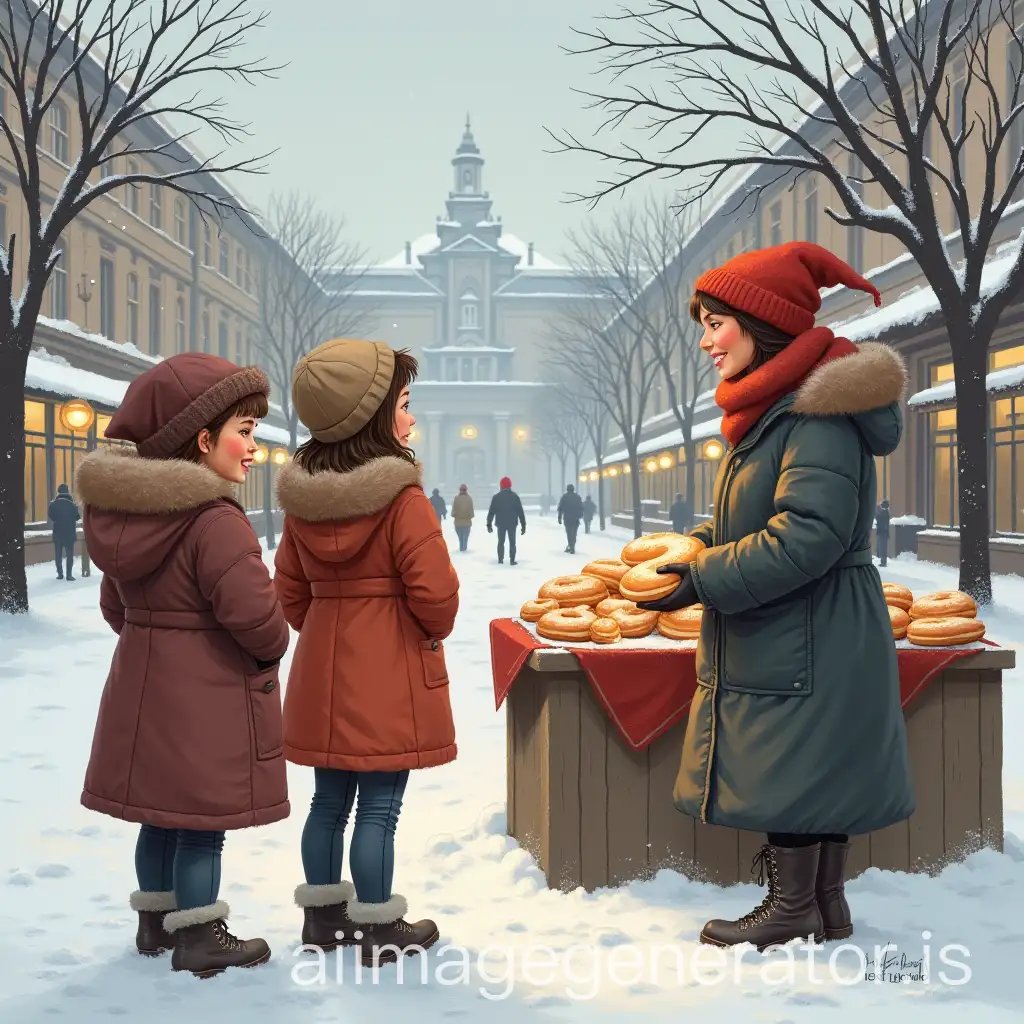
[375, 441]
[769, 341]
[255, 406]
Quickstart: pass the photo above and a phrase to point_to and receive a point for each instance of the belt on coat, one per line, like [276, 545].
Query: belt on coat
[150, 619]
[854, 558]
[378, 586]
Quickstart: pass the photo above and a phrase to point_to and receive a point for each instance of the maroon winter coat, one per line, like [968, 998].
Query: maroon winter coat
[189, 731]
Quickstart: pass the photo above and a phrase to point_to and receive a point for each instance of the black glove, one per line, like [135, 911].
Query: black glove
[490, 529]
[522, 530]
[682, 597]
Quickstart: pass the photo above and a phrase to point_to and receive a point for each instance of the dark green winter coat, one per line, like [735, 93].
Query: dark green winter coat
[796, 724]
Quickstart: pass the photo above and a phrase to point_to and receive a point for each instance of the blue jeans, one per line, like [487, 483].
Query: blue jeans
[372, 854]
[462, 532]
[180, 860]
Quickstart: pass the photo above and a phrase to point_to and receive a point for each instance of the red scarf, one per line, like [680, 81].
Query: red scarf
[743, 402]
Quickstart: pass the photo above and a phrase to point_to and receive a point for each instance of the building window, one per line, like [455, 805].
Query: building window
[468, 312]
[156, 212]
[775, 223]
[811, 210]
[108, 168]
[107, 298]
[239, 346]
[944, 511]
[37, 496]
[59, 284]
[179, 324]
[155, 314]
[224, 256]
[131, 192]
[940, 374]
[239, 265]
[133, 309]
[484, 368]
[180, 224]
[882, 477]
[57, 122]
[248, 273]
[467, 369]
[451, 369]
[207, 247]
[855, 234]
[206, 332]
[222, 338]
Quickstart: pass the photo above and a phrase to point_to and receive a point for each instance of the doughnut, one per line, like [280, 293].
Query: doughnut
[899, 620]
[642, 582]
[533, 610]
[944, 604]
[634, 623]
[948, 632]
[608, 570]
[611, 604]
[898, 596]
[683, 624]
[570, 591]
[605, 631]
[566, 624]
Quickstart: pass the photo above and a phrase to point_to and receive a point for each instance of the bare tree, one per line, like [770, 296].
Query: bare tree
[594, 417]
[605, 341]
[570, 424]
[114, 62]
[298, 308]
[920, 73]
[548, 434]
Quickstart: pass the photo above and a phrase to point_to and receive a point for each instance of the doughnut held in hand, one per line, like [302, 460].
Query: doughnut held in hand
[533, 610]
[948, 632]
[566, 624]
[571, 591]
[899, 620]
[605, 631]
[608, 570]
[642, 582]
[683, 624]
[898, 596]
[944, 604]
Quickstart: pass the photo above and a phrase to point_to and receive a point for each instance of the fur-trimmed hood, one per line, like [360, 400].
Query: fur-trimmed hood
[137, 510]
[337, 496]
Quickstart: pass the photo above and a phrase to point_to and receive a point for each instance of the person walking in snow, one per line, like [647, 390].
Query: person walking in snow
[796, 643]
[462, 516]
[589, 510]
[680, 515]
[570, 512]
[439, 505]
[188, 736]
[883, 517]
[64, 514]
[364, 576]
[505, 512]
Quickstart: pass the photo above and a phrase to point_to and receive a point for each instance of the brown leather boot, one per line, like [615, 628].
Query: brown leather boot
[204, 946]
[829, 891]
[152, 907]
[383, 933]
[327, 924]
[788, 911]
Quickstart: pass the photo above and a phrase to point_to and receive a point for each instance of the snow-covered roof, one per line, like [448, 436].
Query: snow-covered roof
[673, 439]
[1008, 379]
[70, 327]
[704, 401]
[430, 243]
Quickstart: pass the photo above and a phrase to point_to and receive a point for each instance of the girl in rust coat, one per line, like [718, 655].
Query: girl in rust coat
[188, 740]
[364, 575]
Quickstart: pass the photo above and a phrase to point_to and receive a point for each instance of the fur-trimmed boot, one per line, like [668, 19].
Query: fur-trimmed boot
[830, 891]
[788, 911]
[204, 946]
[325, 909]
[152, 938]
[383, 933]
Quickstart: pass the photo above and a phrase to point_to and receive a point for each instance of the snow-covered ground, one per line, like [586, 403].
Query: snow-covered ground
[66, 933]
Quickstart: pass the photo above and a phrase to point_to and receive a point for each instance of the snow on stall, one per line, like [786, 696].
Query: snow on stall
[625, 954]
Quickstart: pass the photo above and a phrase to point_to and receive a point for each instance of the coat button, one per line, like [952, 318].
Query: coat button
[435, 646]
[797, 686]
[268, 686]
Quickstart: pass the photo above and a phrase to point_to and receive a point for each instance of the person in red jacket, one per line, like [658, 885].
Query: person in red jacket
[364, 575]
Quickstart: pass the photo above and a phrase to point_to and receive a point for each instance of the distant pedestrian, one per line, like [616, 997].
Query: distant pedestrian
[570, 512]
[64, 514]
[589, 509]
[462, 516]
[882, 519]
[439, 505]
[506, 510]
[680, 515]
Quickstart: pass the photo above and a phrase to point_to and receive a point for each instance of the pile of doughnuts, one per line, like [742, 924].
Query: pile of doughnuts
[944, 618]
[599, 605]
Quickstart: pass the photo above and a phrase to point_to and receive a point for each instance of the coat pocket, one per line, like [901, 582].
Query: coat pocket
[435, 671]
[265, 700]
[768, 650]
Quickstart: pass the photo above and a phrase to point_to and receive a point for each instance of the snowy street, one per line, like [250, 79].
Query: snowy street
[67, 934]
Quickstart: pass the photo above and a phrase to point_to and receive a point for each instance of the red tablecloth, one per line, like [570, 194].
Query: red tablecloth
[646, 691]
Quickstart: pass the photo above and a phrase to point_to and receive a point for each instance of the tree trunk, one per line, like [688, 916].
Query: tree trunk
[13, 361]
[563, 459]
[600, 492]
[634, 483]
[576, 457]
[550, 468]
[293, 429]
[970, 365]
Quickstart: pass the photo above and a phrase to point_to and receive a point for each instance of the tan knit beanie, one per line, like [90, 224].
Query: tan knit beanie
[338, 386]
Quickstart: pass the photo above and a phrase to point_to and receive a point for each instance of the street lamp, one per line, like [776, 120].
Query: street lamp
[665, 461]
[713, 449]
[521, 433]
[279, 456]
[593, 475]
[85, 285]
[651, 465]
[262, 457]
[77, 417]
[469, 433]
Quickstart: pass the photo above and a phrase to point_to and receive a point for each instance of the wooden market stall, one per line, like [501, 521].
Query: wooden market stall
[590, 783]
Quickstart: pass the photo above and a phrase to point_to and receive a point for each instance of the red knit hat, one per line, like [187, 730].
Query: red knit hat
[780, 285]
[506, 483]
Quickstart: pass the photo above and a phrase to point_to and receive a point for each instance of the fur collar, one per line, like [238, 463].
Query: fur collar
[120, 480]
[361, 492]
[871, 378]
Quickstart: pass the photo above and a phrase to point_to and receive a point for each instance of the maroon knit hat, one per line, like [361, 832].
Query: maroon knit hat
[166, 406]
[780, 285]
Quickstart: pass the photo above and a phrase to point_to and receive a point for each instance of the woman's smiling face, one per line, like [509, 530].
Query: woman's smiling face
[729, 346]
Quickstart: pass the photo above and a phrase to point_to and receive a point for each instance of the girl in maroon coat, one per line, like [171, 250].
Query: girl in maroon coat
[188, 739]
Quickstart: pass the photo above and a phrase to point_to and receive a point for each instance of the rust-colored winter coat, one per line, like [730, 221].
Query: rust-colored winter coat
[363, 574]
[189, 730]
